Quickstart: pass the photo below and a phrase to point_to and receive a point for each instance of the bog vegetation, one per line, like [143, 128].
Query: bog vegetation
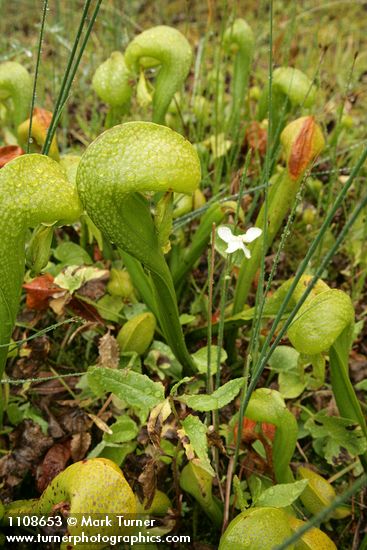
[183, 259]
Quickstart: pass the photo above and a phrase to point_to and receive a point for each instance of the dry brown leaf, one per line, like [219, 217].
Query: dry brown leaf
[8, 153]
[148, 480]
[100, 424]
[40, 290]
[79, 445]
[58, 304]
[29, 445]
[109, 352]
[54, 462]
[74, 420]
[157, 417]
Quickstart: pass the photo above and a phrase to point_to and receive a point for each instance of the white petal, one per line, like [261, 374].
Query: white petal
[233, 246]
[246, 252]
[251, 234]
[225, 234]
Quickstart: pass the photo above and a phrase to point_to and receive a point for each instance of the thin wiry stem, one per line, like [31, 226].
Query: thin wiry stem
[21, 381]
[41, 332]
[75, 67]
[39, 50]
[334, 154]
[211, 257]
[70, 71]
[227, 271]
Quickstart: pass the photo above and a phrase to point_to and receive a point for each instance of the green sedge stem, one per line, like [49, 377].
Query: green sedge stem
[258, 314]
[41, 332]
[334, 153]
[76, 65]
[64, 85]
[211, 258]
[21, 381]
[44, 11]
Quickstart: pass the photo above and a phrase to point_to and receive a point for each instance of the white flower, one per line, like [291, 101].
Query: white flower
[236, 242]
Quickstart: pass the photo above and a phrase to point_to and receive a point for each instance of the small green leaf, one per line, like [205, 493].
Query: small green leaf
[195, 431]
[93, 232]
[130, 310]
[201, 359]
[116, 452]
[218, 399]
[291, 384]
[109, 308]
[284, 358]
[285, 361]
[16, 413]
[283, 495]
[186, 318]
[135, 389]
[123, 430]
[334, 434]
[184, 380]
[130, 360]
[69, 253]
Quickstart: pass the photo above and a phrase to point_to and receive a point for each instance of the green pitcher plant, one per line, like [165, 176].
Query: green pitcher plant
[263, 528]
[15, 91]
[267, 405]
[87, 488]
[112, 83]
[34, 190]
[120, 165]
[163, 47]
